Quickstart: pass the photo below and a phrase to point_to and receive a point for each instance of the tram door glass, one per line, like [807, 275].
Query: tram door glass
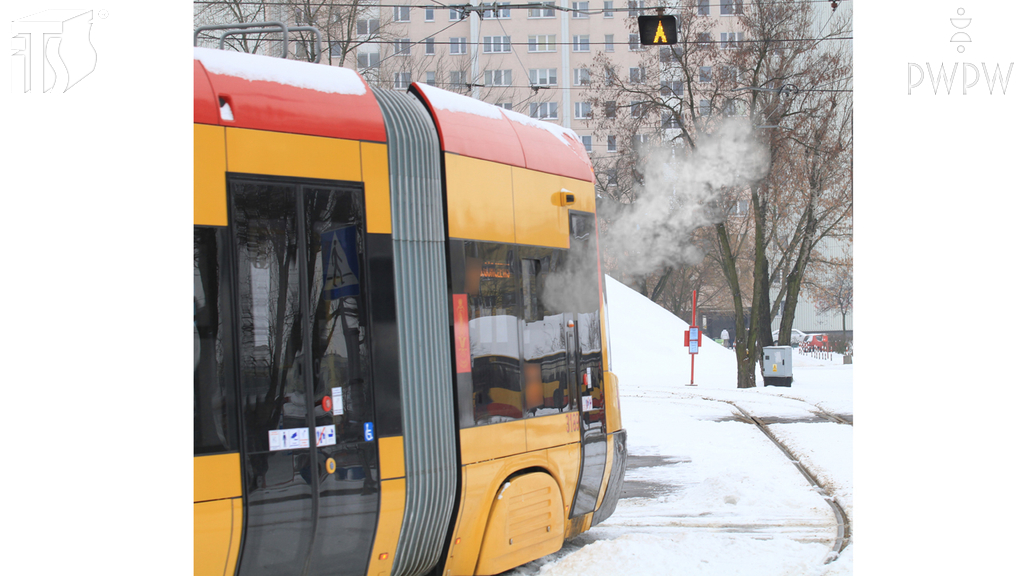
[589, 380]
[213, 400]
[302, 341]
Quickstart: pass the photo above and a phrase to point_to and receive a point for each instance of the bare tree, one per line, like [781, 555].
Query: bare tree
[832, 291]
[784, 78]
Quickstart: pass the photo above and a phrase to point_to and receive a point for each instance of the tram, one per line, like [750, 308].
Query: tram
[401, 345]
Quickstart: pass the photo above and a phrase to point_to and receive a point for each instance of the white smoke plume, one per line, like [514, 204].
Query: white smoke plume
[677, 196]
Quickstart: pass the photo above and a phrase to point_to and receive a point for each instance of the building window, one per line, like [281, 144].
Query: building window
[431, 78]
[454, 15]
[730, 39]
[403, 47]
[402, 80]
[497, 77]
[704, 38]
[612, 147]
[457, 79]
[636, 8]
[609, 76]
[542, 12]
[639, 140]
[505, 105]
[609, 6]
[579, 9]
[730, 73]
[428, 46]
[705, 108]
[401, 13]
[581, 77]
[367, 27]
[502, 13]
[671, 88]
[368, 59]
[637, 109]
[669, 121]
[581, 43]
[705, 74]
[609, 109]
[428, 14]
[637, 75]
[541, 43]
[335, 49]
[543, 76]
[495, 44]
[732, 107]
[544, 110]
[703, 7]
[457, 45]
[634, 42]
[731, 7]
[582, 111]
[609, 42]
[612, 177]
[587, 143]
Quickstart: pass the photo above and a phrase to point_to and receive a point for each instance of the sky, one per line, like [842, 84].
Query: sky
[97, 210]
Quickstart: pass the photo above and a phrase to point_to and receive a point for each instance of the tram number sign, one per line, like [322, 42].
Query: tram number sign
[657, 30]
[368, 431]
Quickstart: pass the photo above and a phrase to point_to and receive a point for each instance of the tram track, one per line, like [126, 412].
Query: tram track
[820, 415]
[842, 539]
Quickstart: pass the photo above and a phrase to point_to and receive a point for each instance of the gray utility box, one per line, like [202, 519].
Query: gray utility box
[778, 365]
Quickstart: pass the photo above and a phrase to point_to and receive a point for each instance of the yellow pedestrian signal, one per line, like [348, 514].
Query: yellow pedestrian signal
[658, 30]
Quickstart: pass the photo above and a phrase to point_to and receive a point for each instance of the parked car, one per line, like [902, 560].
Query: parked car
[816, 342]
[796, 337]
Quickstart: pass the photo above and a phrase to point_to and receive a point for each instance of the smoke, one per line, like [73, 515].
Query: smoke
[679, 193]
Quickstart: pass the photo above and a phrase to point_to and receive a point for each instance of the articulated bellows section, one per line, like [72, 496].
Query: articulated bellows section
[417, 216]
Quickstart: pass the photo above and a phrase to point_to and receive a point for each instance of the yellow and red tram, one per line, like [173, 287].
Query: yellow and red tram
[401, 354]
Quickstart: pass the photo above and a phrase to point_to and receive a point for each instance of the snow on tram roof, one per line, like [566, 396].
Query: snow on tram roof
[555, 129]
[452, 102]
[329, 79]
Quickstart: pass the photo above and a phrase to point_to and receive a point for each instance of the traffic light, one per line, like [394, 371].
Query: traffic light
[657, 30]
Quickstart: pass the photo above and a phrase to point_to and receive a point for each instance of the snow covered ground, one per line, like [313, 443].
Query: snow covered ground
[725, 499]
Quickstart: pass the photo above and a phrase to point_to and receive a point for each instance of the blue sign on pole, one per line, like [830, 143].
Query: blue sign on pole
[340, 262]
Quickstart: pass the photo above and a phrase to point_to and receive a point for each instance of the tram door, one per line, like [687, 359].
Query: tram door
[309, 455]
[583, 334]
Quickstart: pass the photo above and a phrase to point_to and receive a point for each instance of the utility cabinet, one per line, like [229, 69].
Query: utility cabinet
[778, 365]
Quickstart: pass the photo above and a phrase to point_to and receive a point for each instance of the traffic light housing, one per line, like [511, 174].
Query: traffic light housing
[657, 30]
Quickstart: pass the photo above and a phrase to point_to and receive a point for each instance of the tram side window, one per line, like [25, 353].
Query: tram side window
[493, 332]
[544, 341]
[215, 430]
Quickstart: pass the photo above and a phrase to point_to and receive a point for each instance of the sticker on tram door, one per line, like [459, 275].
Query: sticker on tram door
[325, 436]
[289, 439]
[368, 431]
[588, 403]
